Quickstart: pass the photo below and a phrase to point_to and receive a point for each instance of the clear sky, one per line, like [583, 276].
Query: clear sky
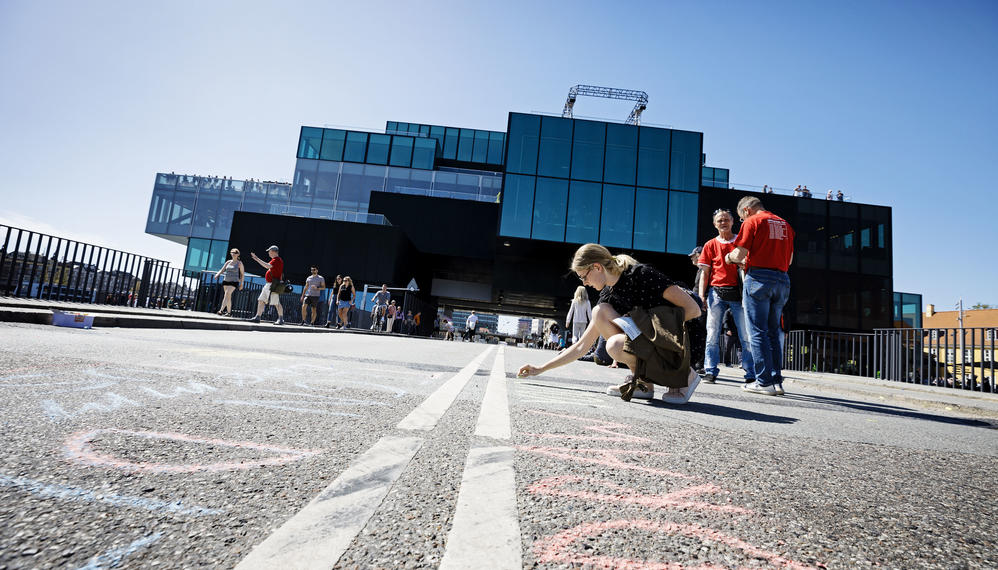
[896, 103]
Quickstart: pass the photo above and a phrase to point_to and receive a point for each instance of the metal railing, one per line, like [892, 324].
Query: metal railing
[962, 358]
[34, 265]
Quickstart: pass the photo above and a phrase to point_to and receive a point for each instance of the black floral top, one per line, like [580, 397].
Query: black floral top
[639, 285]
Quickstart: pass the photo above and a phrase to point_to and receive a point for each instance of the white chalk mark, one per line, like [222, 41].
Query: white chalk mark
[493, 420]
[426, 415]
[376, 387]
[486, 528]
[191, 388]
[112, 558]
[332, 400]
[321, 532]
[288, 405]
[71, 493]
[113, 402]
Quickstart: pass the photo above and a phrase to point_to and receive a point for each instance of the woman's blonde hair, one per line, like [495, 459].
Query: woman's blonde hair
[592, 253]
[580, 295]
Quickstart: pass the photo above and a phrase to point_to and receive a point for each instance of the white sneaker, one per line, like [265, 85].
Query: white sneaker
[684, 394]
[755, 388]
[637, 395]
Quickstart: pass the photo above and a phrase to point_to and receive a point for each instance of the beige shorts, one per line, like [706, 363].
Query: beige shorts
[267, 297]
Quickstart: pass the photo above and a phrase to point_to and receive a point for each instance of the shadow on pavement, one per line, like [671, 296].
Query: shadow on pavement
[724, 411]
[887, 410]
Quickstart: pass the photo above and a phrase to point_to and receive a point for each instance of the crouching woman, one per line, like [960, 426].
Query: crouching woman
[647, 321]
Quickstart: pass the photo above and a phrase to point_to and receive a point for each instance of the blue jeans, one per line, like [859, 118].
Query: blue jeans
[715, 322]
[763, 297]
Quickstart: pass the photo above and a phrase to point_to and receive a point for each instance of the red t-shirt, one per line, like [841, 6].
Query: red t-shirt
[276, 270]
[721, 274]
[769, 240]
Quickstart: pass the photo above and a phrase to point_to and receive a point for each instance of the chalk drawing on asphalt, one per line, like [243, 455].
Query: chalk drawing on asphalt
[80, 494]
[561, 486]
[79, 448]
[114, 557]
[288, 406]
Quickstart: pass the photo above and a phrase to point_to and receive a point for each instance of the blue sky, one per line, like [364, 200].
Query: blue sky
[893, 102]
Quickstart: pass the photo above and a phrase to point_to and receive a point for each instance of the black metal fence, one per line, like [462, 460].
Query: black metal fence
[40, 266]
[962, 358]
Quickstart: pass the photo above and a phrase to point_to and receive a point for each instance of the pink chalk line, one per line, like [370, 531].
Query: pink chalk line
[598, 426]
[557, 486]
[554, 549]
[605, 457]
[79, 449]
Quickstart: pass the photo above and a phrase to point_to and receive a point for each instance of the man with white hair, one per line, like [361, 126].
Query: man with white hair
[275, 270]
[765, 246]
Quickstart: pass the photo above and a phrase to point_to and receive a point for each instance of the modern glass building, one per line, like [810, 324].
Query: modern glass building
[487, 220]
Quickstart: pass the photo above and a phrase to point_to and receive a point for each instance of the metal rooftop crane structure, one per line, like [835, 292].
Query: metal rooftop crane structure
[634, 118]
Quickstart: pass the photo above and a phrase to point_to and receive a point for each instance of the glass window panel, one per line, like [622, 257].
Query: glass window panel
[391, 126]
[650, 215]
[582, 225]
[617, 216]
[653, 158]
[684, 167]
[621, 154]
[423, 153]
[842, 244]
[524, 135]
[550, 197]
[278, 198]
[165, 181]
[721, 177]
[481, 149]
[450, 143]
[227, 206]
[332, 144]
[309, 142]
[304, 181]
[517, 205]
[811, 234]
[377, 149]
[414, 128]
[159, 211]
[843, 311]
[356, 147]
[496, 141]
[555, 151]
[401, 151]
[682, 225]
[181, 214]
[218, 253]
[469, 183]
[466, 145]
[424, 130]
[205, 214]
[327, 178]
[198, 251]
[437, 133]
[587, 150]
[398, 180]
[254, 197]
[444, 181]
[809, 297]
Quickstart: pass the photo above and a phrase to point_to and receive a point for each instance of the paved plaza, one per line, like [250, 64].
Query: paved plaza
[175, 448]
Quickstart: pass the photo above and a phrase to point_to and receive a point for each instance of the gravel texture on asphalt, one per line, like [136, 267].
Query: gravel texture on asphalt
[172, 448]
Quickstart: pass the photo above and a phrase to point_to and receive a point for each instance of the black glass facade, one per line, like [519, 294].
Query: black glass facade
[367, 148]
[714, 177]
[455, 144]
[579, 181]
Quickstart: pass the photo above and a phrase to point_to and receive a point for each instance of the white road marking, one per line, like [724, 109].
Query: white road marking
[426, 415]
[320, 533]
[486, 528]
[494, 419]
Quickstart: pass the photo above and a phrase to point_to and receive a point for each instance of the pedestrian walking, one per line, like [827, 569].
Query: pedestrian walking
[721, 288]
[315, 284]
[392, 311]
[469, 326]
[579, 314]
[636, 303]
[346, 296]
[331, 310]
[380, 299]
[234, 273]
[275, 270]
[765, 245]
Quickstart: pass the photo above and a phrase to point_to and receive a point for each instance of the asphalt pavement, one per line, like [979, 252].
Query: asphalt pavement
[142, 448]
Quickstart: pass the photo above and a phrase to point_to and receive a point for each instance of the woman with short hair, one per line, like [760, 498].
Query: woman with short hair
[635, 300]
[234, 273]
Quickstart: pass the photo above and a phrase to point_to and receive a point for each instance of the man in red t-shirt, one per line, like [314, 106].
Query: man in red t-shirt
[275, 270]
[765, 245]
[720, 288]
